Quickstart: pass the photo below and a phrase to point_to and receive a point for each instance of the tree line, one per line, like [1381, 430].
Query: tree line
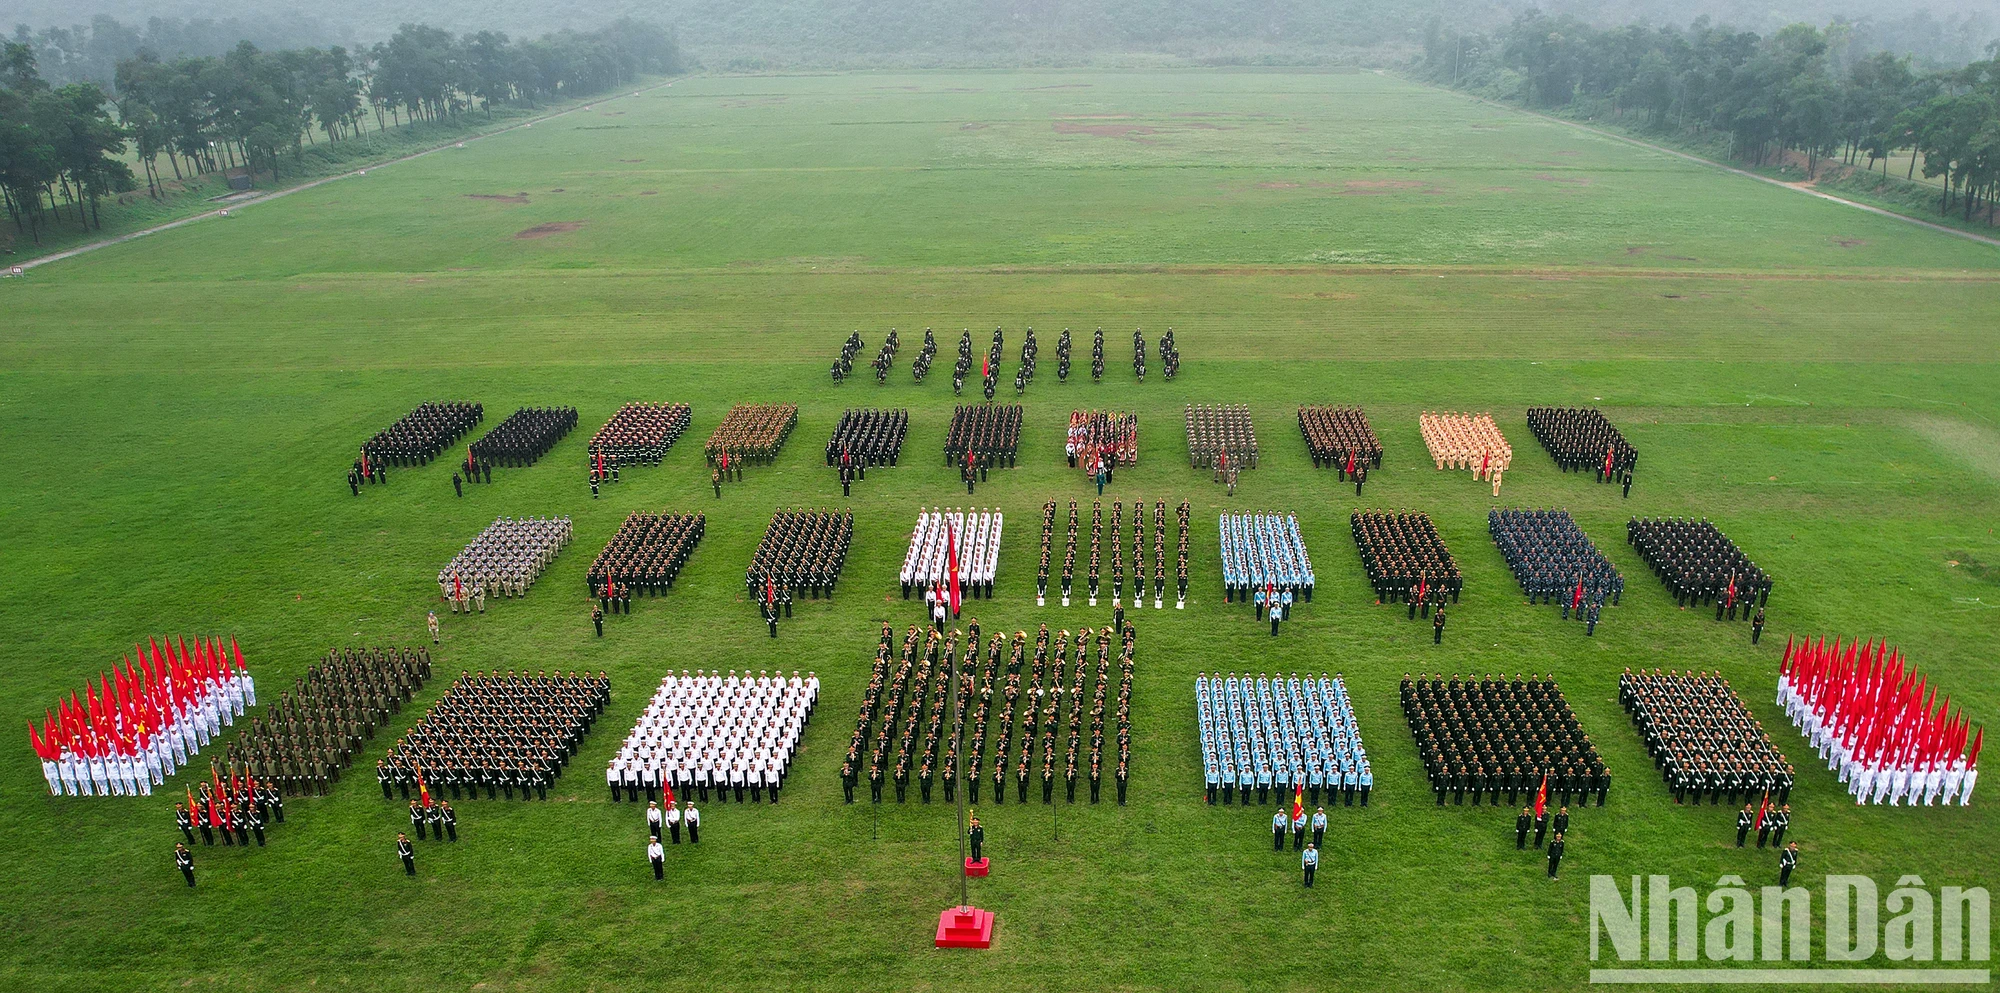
[66, 146]
[1804, 90]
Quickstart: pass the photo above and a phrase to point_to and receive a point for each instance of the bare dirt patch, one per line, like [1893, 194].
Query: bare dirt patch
[649, 193]
[547, 230]
[1549, 177]
[1359, 187]
[1277, 185]
[1063, 86]
[631, 160]
[1204, 126]
[499, 197]
[1105, 130]
[1849, 242]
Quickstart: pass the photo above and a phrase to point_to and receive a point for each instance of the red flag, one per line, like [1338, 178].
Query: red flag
[457, 587]
[1485, 460]
[236, 652]
[468, 461]
[1608, 452]
[423, 789]
[600, 463]
[770, 591]
[667, 787]
[986, 366]
[1298, 802]
[1423, 586]
[1350, 463]
[1577, 600]
[364, 463]
[1762, 809]
[951, 564]
[1542, 795]
[1978, 738]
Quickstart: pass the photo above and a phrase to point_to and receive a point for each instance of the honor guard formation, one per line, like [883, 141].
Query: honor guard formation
[500, 732]
[1581, 440]
[988, 433]
[972, 536]
[1220, 438]
[1467, 441]
[1870, 719]
[1170, 355]
[645, 555]
[713, 732]
[1116, 553]
[801, 550]
[929, 679]
[1700, 565]
[752, 433]
[524, 437]
[1702, 738]
[843, 364]
[1281, 736]
[504, 560]
[1340, 438]
[143, 721]
[233, 806]
[886, 357]
[1100, 440]
[1490, 736]
[866, 438]
[925, 355]
[1264, 561]
[422, 434]
[639, 434]
[1553, 559]
[1406, 559]
[314, 730]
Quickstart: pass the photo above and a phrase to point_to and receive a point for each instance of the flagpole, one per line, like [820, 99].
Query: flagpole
[959, 701]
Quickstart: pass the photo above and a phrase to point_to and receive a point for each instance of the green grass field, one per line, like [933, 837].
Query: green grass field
[179, 410]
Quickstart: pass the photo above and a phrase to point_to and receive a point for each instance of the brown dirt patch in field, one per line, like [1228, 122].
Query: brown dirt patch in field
[631, 160]
[1849, 242]
[1569, 151]
[1549, 177]
[499, 197]
[649, 193]
[1204, 126]
[1359, 187]
[1277, 185]
[1105, 130]
[546, 230]
[1501, 189]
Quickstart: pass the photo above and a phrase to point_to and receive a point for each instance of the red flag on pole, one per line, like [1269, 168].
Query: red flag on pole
[951, 564]
[1577, 600]
[1608, 453]
[1542, 795]
[1350, 463]
[1762, 809]
[1298, 802]
[1485, 460]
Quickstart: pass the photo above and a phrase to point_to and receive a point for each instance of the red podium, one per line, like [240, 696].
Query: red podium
[965, 927]
[975, 867]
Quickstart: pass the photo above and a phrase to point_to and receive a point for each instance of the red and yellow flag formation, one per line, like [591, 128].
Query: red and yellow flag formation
[133, 727]
[1879, 723]
[1298, 803]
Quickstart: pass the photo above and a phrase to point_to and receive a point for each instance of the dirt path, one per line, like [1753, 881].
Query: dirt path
[1805, 188]
[289, 190]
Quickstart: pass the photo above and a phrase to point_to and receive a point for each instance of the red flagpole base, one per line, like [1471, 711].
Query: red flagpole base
[975, 867]
[965, 927]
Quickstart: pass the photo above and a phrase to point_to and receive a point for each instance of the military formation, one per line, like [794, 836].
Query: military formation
[1045, 567]
[234, 806]
[1700, 565]
[638, 434]
[1264, 561]
[973, 536]
[865, 438]
[1220, 438]
[1555, 561]
[1703, 739]
[750, 433]
[708, 732]
[988, 434]
[644, 556]
[1583, 440]
[1467, 441]
[1406, 559]
[524, 437]
[503, 560]
[802, 550]
[498, 732]
[843, 364]
[423, 434]
[1282, 737]
[314, 730]
[1050, 686]
[1100, 440]
[1340, 438]
[1170, 356]
[1492, 735]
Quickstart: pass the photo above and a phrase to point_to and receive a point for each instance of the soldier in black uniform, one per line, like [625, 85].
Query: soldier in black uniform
[184, 861]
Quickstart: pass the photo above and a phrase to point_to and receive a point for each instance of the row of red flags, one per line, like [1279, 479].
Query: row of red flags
[119, 712]
[1884, 712]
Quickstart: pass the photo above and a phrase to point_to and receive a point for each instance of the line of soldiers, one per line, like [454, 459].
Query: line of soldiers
[866, 438]
[501, 732]
[1406, 559]
[925, 356]
[751, 432]
[1068, 574]
[313, 731]
[1553, 559]
[525, 436]
[1170, 355]
[1062, 356]
[1139, 354]
[991, 432]
[801, 550]
[424, 433]
[645, 555]
[1581, 439]
[245, 806]
[1490, 736]
[1220, 437]
[843, 365]
[885, 358]
[1703, 738]
[1337, 437]
[1700, 565]
[1025, 373]
[504, 559]
[639, 433]
[1097, 356]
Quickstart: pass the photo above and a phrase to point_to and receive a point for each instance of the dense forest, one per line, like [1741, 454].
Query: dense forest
[64, 146]
[1800, 93]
